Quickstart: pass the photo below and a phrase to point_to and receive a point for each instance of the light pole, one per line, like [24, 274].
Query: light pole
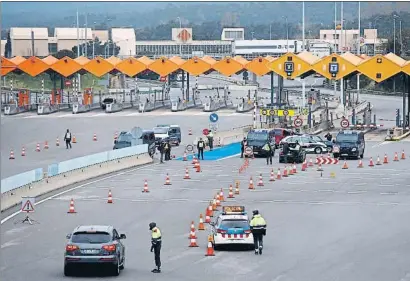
[394, 48]
[180, 29]
[303, 25]
[374, 45]
[287, 33]
[270, 31]
[358, 54]
[94, 42]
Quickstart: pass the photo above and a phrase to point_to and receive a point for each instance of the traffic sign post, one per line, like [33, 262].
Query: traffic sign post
[298, 122]
[213, 117]
[189, 148]
[248, 151]
[344, 123]
[27, 206]
[205, 132]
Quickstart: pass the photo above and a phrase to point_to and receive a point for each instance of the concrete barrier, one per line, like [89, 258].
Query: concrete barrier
[245, 107]
[113, 107]
[44, 109]
[81, 108]
[35, 183]
[12, 109]
[178, 106]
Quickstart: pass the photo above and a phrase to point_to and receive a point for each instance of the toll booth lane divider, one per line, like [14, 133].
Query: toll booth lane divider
[36, 183]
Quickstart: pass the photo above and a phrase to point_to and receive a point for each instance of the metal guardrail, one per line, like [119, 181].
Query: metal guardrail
[27, 178]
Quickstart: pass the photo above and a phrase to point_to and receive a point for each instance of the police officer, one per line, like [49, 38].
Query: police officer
[328, 136]
[67, 138]
[161, 149]
[285, 150]
[211, 140]
[269, 153]
[156, 243]
[258, 228]
[244, 143]
[167, 150]
[200, 146]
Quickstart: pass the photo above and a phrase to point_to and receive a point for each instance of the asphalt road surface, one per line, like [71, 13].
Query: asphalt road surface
[350, 227]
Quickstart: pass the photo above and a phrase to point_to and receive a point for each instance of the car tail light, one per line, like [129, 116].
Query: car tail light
[248, 231]
[109, 248]
[71, 248]
[221, 231]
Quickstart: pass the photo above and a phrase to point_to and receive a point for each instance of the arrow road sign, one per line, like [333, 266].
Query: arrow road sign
[298, 122]
[326, 160]
[344, 123]
[248, 150]
[213, 117]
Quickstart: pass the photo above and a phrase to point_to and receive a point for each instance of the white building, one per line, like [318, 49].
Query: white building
[233, 33]
[319, 48]
[253, 48]
[22, 40]
[125, 39]
[66, 38]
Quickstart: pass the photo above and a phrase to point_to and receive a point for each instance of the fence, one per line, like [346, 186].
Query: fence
[55, 169]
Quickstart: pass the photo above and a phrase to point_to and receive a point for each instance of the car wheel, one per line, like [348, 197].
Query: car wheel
[335, 155]
[122, 266]
[116, 269]
[68, 270]
[177, 144]
[318, 150]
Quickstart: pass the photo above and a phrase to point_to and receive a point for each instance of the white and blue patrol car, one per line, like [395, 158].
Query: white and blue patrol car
[232, 227]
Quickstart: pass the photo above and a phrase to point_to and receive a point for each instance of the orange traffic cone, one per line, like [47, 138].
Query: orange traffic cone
[201, 225]
[38, 147]
[207, 218]
[186, 177]
[57, 142]
[109, 197]
[319, 168]
[221, 195]
[193, 243]
[371, 163]
[210, 248]
[190, 132]
[279, 175]
[345, 166]
[192, 234]
[290, 170]
[237, 187]
[193, 159]
[198, 167]
[210, 210]
[167, 180]
[251, 183]
[74, 139]
[23, 151]
[396, 157]
[71, 210]
[11, 157]
[386, 161]
[145, 190]
[230, 193]
[403, 156]
[185, 157]
[260, 183]
[218, 200]
[304, 166]
[285, 172]
[310, 162]
[360, 164]
[95, 137]
[272, 175]
[294, 169]
[378, 161]
[214, 206]
[46, 145]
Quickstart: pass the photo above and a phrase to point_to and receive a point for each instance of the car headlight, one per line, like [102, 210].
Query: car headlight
[353, 149]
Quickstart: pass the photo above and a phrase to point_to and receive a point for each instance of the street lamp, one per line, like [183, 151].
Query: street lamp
[287, 33]
[394, 33]
[374, 45]
[180, 45]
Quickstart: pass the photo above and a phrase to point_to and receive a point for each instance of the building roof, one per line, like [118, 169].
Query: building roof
[24, 33]
[174, 43]
[123, 34]
[68, 33]
[17, 60]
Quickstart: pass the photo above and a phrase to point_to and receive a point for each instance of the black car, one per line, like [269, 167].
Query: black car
[107, 101]
[293, 156]
[256, 139]
[349, 144]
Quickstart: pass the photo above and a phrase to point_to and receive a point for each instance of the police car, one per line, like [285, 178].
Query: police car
[168, 132]
[232, 227]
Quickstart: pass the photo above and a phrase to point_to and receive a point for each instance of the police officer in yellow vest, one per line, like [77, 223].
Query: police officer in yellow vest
[156, 243]
[258, 228]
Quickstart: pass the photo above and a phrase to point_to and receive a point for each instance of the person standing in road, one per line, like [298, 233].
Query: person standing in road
[328, 136]
[67, 139]
[167, 151]
[285, 150]
[211, 140]
[244, 143]
[156, 243]
[269, 153]
[161, 151]
[200, 147]
[258, 228]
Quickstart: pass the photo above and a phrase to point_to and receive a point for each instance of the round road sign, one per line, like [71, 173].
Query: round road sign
[344, 123]
[205, 132]
[189, 148]
[248, 150]
[298, 122]
[285, 113]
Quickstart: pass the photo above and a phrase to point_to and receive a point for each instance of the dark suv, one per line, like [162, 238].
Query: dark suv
[349, 144]
[256, 139]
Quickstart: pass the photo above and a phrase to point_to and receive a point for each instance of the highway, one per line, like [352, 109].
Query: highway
[351, 227]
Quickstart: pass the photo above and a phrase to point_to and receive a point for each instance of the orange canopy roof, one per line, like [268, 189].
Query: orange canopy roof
[66, 67]
[50, 60]
[98, 66]
[7, 66]
[163, 66]
[33, 66]
[177, 60]
[82, 60]
[228, 66]
[259, 66]
[113, 60]
[196, 66]
[17, 60]
[145, 60]
[131, 67]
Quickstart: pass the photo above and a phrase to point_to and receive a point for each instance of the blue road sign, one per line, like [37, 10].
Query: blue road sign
[213, 117]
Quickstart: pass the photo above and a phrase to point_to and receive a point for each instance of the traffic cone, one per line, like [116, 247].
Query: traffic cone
[371, 164]
[310, 162]
[198, 168]
[185, 157]
[403, 156]
[290, 170]
[210, 248]
[192, 233]
[145, 190]
[38, 147]
[193, 243]
[190, 132]
[304, 166]
[207, 218]
[167, 180]
[285, 172]
[294, 169]
[23, 151]
[260, 183]
[221, 196]
[95, 137]
[251, 183]
[193, 159]
[210, 210]
[11, 157]
[218, 200]
[230, 193]
[46, 145]
[109, 197]
[237, 188]
[360, 164]
[396, 157]
[319, 168]
[272, 175]
[386, 161]
[378, 163]
[201, 223]
[57, 142]
[214, 206]
[186, 177]
[71, 210]
[74, 139]
[279, 175]
[345, 166]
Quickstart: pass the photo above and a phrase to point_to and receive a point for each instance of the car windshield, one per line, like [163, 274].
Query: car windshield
[91, 238]
[234, 224]
[257, 137]
[108, 100]
[124, 138]
[346, 138]
[278, 132]
[161, 130]
[317, 139]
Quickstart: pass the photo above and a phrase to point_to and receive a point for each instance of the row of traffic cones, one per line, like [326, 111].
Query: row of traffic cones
[71, 209]
[244, 166]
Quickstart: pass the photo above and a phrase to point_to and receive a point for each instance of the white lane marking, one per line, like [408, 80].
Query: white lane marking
[357, 192]
[11, 243]
[75, 188]
[360, 184]
[229, 157]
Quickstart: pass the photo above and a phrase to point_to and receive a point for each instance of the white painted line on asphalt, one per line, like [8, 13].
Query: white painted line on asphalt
[223, 175]
[389, 193]
[236, 155]
[386, 185]
[360, 184]
[261, 190]
[357, 192]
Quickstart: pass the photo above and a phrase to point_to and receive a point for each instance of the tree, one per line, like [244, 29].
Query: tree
[100, 49]
[7, 47]
[65, 53]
